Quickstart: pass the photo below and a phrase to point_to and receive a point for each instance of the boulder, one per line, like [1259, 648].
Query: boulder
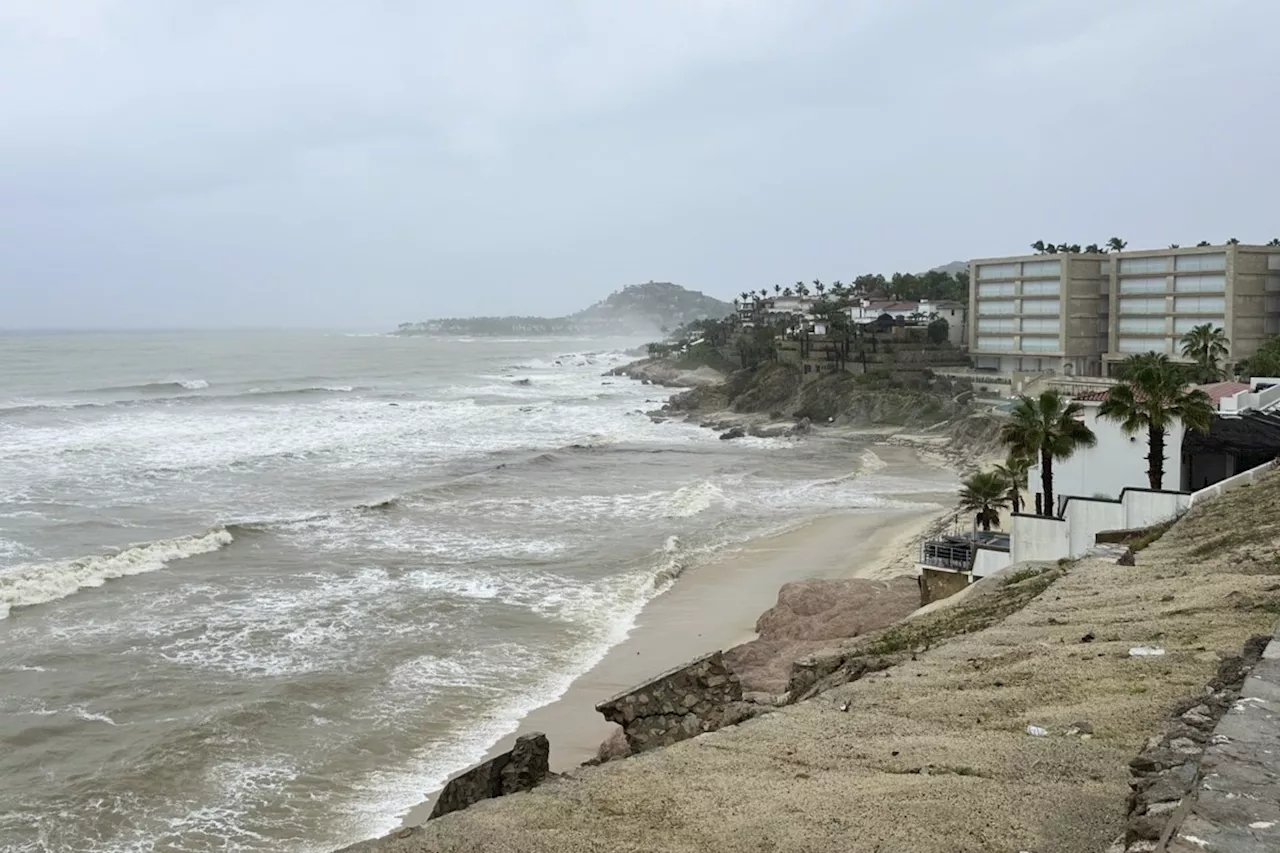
[735, 432]
[522, 769]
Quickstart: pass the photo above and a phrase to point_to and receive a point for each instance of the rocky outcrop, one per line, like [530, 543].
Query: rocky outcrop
[522, 769]
[811, 613]
[657, 371]
[1172, 763]
[681, 703]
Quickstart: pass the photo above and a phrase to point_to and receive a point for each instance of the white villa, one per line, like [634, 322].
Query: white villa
[1105, 487]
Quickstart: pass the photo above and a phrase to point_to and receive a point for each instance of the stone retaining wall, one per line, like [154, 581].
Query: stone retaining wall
[523, 768]
[1172, 764]
[697, 697]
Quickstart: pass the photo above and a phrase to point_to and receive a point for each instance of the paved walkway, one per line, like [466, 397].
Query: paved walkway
[1237, 805]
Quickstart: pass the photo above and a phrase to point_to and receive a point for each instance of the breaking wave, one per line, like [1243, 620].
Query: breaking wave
[42, 584]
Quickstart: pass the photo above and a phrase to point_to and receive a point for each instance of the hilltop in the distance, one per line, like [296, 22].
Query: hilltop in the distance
[638, 309]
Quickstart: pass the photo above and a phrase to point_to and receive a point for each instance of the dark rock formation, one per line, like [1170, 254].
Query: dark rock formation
[734, 432]
[523, 768]
[679, 704]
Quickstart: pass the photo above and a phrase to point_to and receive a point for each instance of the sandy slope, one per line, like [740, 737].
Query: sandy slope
[933, 754]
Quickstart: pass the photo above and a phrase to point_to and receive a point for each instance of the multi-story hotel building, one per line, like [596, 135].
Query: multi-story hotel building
[1083, 313]
[1158, 296]
[1039, 313]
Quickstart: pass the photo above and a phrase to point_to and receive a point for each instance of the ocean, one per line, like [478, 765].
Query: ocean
[267, 590]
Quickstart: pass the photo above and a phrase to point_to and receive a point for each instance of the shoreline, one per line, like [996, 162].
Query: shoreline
[716, 604]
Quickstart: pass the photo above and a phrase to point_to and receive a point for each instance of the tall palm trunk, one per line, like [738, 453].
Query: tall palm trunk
[1155, 457]
[1017, 501]
[1046, 483]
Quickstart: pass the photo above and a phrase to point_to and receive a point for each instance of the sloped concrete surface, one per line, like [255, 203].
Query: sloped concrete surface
[1237, 804]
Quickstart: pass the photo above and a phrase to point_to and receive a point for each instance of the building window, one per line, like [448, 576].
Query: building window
[1142, 325]
[1182, 325]
[1195, 263]
[989, 342]
[1129, 266]
[995, 324]
[1034, 344]
[995, 289]
[1005, 307]
[1040, 306]
[1144, 285]
[1142, 306]
[1142, 345]
[1273, 284]
[1273, 262]
[1045, 325]
[1200, 305]
[1041, 268]
[1200, 283]
[997, 271]
[1040, 288]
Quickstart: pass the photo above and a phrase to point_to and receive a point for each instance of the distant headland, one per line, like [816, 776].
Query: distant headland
[638, 309]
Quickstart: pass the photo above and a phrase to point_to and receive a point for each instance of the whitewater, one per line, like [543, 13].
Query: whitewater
[265, 591]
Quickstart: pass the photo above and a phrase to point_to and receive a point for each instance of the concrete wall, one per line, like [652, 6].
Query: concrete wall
[680, 703]
[1242, 479]
[937, 584]
[988, 561]
[1037, 538]
[1143, 508]
[1116, 462]
[1086, 518]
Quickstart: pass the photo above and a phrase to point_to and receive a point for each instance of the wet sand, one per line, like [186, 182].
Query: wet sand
[715, 606]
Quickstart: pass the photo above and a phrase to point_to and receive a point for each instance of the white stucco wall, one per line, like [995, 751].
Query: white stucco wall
[1035, 538]
[987, 562]
[1116, 461]
[1143, 509]
[1087, 518]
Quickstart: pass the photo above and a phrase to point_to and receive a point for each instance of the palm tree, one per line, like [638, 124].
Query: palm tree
[1154, 396]
[1094, 249]
[1174, 246]
[777, 288]
[985, 494]
[1014, 471]
[786, 291]
[1202, 244]
[1274, 241]
[1046, 428]
[1206, 345]
[1234, 241]
[819, 287]
[745, 296]
[1038, 246]
[1116, 244]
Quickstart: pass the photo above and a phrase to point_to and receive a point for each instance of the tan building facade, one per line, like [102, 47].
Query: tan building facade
[1158, 296]
[1039, 313]
[1081, 314]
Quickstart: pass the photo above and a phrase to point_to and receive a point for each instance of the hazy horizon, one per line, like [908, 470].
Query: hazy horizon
[268, 165]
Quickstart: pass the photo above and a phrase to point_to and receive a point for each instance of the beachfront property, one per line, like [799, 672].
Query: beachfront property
[1105, 488]
[1158, 296]
[1039, 313]
[1080, 314]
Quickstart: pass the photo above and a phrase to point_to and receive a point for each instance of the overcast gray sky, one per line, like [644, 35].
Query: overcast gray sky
[356, 164]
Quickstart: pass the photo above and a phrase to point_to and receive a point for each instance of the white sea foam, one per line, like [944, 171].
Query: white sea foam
[41, 584]
[192, 384]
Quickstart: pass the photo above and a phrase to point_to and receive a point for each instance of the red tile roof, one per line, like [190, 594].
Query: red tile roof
[1215, 390]
[1218, 390]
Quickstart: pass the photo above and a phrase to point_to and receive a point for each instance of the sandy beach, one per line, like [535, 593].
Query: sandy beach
[715, 605]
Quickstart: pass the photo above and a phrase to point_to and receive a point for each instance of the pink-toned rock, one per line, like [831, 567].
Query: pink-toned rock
[809, 615]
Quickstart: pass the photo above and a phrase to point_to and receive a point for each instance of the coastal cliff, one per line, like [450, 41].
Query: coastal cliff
[1005, 718]
[777, 392]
